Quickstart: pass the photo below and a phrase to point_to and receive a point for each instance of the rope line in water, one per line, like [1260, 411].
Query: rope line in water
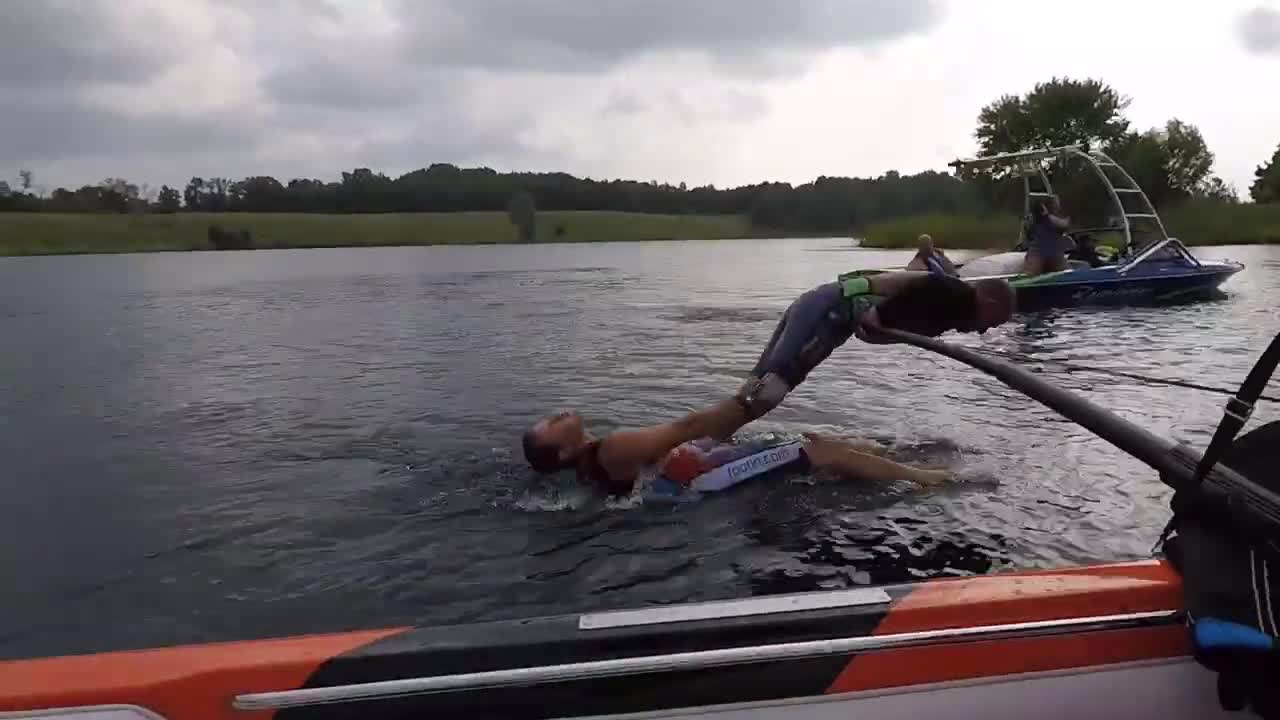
[1072, 367]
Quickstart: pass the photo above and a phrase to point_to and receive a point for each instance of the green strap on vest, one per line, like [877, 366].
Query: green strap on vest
[856, 288]
[854, 283]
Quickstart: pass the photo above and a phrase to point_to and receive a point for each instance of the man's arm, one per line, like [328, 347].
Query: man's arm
[929, 306]
[623, 452]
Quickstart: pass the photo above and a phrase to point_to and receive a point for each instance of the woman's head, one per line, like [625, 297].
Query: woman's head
[553, 443]
[924, 244]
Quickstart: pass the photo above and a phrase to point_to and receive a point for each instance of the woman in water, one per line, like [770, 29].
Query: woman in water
[860, 460]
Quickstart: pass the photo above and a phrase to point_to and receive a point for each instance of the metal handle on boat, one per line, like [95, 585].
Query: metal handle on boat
[696, 660]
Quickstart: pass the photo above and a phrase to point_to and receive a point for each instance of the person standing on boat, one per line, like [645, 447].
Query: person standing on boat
[810, 329]
[930, 259]
[1047, 244]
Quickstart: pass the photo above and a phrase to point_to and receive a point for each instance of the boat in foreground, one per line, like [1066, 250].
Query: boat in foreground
[1150, 266]
[1098, 641]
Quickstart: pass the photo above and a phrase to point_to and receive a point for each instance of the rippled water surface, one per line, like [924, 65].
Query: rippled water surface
[222, 446]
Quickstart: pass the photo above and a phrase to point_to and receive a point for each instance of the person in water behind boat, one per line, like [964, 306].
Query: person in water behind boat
[849, 459]
[810, 329]
[1047, 244]
[930, 259]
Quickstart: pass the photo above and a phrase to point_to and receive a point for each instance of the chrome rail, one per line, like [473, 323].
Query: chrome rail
[695, 660]
[722, 609]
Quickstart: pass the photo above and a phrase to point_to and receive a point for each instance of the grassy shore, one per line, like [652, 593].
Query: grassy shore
[55, 233]
[1194, 224]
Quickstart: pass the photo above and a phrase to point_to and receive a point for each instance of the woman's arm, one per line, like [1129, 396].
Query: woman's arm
[625, 451]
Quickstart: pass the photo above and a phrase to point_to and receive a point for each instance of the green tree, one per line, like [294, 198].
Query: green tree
[257, 194]
[216, 194]
[524, 215]
[117, 194]
[1054, 113]
[1188, 160]
[169, 201]
[1266, 184]
[192, 194]
[1215, 188]
[1172, 163]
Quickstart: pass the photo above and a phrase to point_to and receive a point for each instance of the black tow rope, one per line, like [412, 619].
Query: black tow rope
[1234, 418]
[1239, 408]
[1178, 466]
[1112, 372]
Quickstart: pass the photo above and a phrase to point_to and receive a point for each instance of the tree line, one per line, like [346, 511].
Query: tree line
[1172, 163]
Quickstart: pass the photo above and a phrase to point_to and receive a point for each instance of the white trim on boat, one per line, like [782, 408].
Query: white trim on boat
[719, 609]
[690, 660]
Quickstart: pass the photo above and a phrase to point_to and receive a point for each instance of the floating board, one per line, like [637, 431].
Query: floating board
[757, 460]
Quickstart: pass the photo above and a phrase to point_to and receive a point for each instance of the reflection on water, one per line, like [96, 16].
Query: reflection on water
[214, 446]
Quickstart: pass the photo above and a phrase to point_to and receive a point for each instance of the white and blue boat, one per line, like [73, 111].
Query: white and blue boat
[1150, 266]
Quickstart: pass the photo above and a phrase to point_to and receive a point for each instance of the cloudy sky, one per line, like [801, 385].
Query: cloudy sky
[701, 91]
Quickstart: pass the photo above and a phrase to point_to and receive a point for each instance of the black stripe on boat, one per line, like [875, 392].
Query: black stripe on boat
[659, 630]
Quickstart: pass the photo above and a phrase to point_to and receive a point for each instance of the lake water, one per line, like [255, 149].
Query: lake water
[217, 446]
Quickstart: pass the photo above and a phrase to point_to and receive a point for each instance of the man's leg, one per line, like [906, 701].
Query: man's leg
[816, 324]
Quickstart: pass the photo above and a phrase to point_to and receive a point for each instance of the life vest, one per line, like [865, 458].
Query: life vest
[858, 297]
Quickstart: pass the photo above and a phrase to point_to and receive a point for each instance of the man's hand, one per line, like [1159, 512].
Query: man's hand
[868, 329]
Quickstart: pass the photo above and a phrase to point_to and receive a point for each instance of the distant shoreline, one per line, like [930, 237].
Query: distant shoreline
[85, 233]
[23, 234]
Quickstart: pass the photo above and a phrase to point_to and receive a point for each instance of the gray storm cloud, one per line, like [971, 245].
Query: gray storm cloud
[395, 81]
[1260, 29]
[588, 37]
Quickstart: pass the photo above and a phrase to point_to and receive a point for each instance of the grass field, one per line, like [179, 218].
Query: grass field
[56, 233]
[1194, 224]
